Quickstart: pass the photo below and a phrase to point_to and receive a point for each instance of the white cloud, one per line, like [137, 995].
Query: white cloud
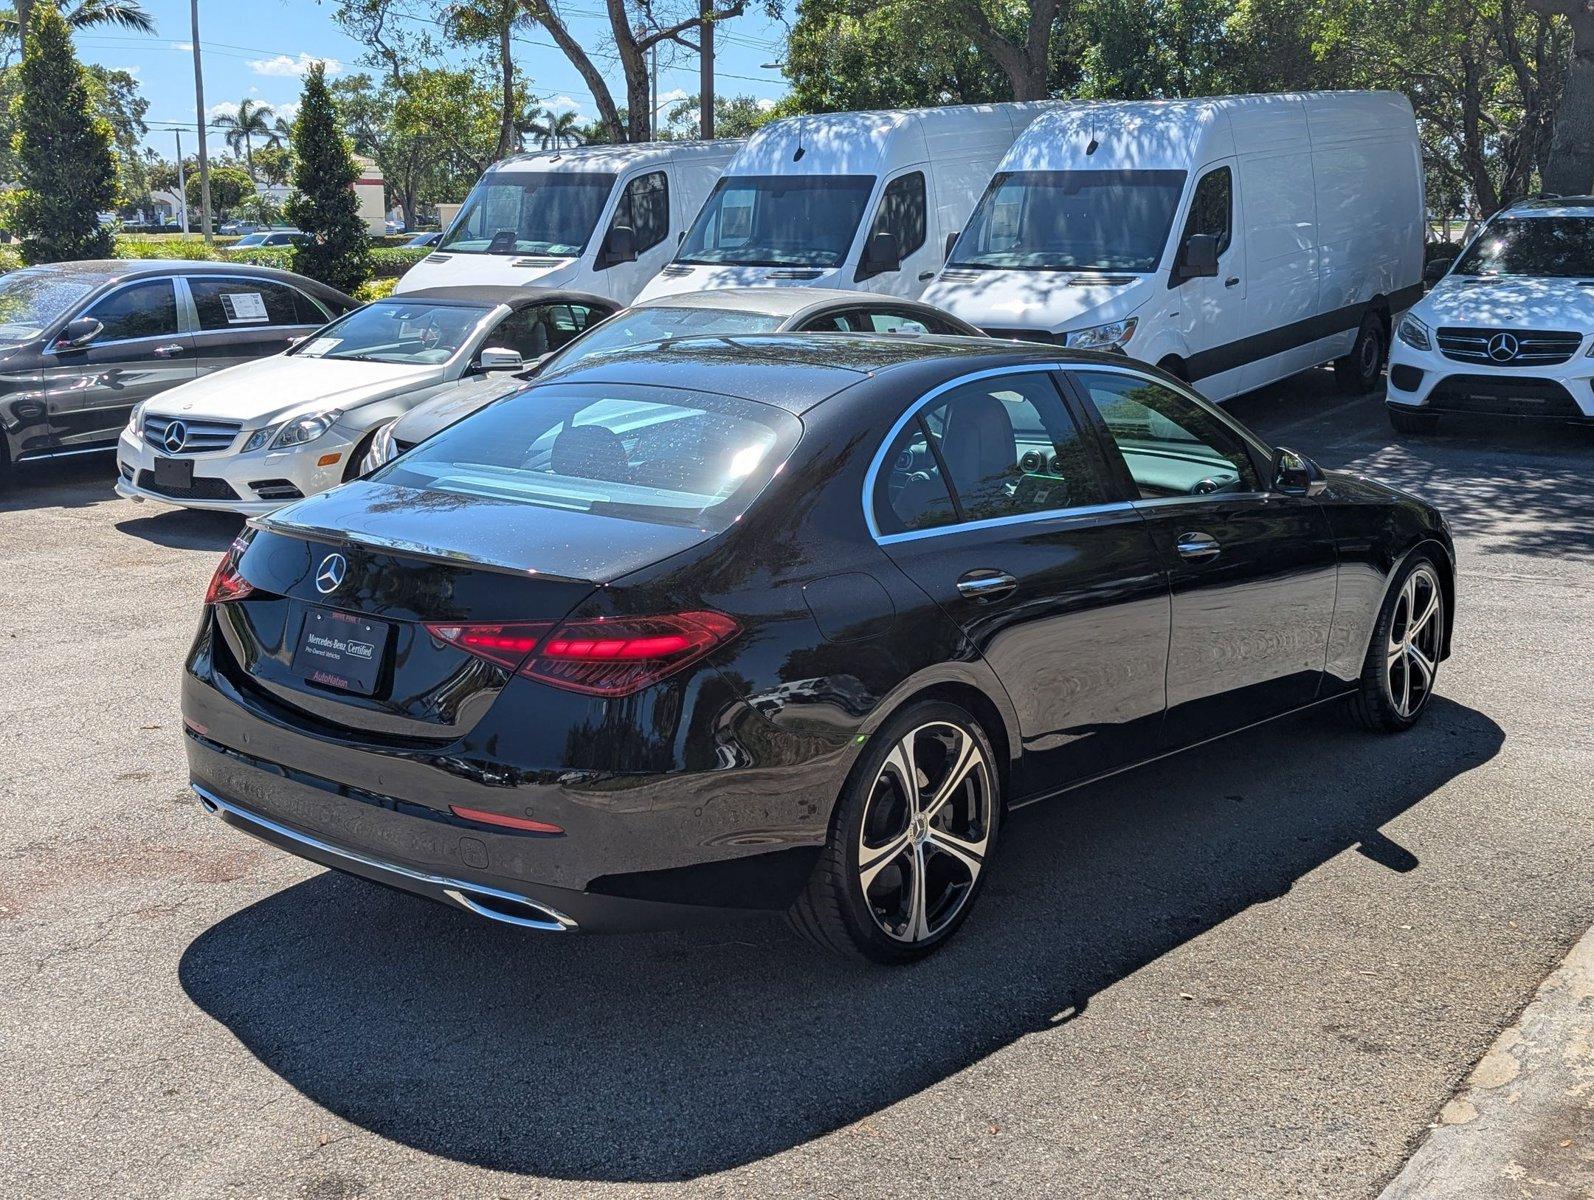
[673, 96]
[287, 111]
[562, 103]
[185, 47]
[283, 64]
[765, 104]
[227, 108]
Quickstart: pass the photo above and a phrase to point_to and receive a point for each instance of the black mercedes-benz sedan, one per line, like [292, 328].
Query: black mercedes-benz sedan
[786, 622]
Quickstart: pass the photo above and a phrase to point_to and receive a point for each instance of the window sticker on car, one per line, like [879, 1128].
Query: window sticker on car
[244, 308]
[321, 346]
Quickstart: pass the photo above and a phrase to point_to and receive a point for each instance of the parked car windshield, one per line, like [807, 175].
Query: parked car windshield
[660, 455]
[1071, 221]
[397, 331]
[1558, 246]
[778, 221]
[661, 324]
[530, 212]
[33, 300]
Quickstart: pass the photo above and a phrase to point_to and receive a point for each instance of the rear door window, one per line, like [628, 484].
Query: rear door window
[240, 303]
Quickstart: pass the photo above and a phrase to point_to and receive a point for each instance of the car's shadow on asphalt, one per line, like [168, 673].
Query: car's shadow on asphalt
[664, 1057]
[184, 528]
[76, 481]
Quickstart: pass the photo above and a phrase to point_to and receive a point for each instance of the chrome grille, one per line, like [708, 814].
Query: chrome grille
[197, 436]
[1509, 347]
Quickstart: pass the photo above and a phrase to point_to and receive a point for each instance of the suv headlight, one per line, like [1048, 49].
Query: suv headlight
[1113, 336]
[294, 432]
[1414, 333]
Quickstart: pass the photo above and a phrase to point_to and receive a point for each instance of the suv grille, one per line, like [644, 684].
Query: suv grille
[1509, 347]
[196, 436]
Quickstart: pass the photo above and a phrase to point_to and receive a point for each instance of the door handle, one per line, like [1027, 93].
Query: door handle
[1198, 547]
[923, 275]
[1232, 281]
[986, 584]
[171, 351]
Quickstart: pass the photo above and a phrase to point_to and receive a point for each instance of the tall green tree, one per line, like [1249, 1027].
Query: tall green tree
[65, 167]
[86, 14]
[251, 121]
[323, 202]
[474, 22]
[552, 130]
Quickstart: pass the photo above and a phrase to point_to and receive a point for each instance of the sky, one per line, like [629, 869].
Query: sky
[259, 49]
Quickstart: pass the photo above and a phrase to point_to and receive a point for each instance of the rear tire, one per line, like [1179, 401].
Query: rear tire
[7, 471]
[1358, 371]
[910, 840]
[1412, 422]
[1402, 664]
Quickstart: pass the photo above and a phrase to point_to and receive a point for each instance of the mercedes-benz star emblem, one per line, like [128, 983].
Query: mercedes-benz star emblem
[1503, 347]
[329, 575]
[176, 435]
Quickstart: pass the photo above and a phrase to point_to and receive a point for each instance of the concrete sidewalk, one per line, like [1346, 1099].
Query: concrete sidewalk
[1522, 1125]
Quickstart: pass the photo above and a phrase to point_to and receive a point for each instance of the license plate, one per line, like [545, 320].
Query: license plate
[174, 472]
[340, 650]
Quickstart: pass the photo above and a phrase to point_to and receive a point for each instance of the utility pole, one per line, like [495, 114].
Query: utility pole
[653, 90]
[199, 105]
[182, 183]
[705, 120]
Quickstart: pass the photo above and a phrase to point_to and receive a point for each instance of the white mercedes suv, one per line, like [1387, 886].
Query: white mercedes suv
[1509, 329]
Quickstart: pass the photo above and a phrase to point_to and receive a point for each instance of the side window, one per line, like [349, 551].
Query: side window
[1000, 447]
[540, 329]
[903, 211]
[140, 310]
[892, 322]
[1212, 208]
[1169, 443]
[645, 206]
[235, 303]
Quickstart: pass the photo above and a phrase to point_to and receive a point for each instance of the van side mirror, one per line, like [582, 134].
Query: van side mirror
[1198, 258]
[1296, 475]
[79, 332]
[494, 358]
[619, 246]
[882, 254]
[951, 240]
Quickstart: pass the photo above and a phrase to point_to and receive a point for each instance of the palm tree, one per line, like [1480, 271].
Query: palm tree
[553, 130]
[250, 122]
[281, 132]
[86, 14]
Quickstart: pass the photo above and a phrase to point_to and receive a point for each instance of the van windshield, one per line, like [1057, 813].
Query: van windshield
[529, 212]
[778, 221]
[660, 455]
[1071, 221]
[1556, 246]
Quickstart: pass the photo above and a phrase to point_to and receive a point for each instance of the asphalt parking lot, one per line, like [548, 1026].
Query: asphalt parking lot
[1255, 970]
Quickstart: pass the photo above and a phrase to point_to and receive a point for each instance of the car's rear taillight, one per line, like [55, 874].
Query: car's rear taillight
[228, 583]
[605, 656]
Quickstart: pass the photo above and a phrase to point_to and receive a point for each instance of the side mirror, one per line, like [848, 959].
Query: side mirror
[951, 240]
[1198, 258]
[79, 332]
[882, 254]
[619, 246]
[494, 358]
[1436, 270]
[1296, 475]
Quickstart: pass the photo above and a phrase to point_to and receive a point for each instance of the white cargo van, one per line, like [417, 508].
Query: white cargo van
[1233, 240]
[599, 219]
[846, 200]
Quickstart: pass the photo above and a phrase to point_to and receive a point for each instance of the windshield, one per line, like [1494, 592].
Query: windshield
[778, 221]
[651, 454]
[529, 212]
[253, 239]
[1071, 221]
[397, 331]
[1555, 246]
[32, 301]
[642, 325]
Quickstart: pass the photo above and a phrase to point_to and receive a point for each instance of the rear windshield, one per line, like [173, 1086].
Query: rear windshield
[1071, 221]
[1556, 246]
[661, 455]
[529, 212]
[639, 325]
[778, 221]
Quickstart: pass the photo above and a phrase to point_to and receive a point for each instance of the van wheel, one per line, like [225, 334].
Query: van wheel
[1412, 422]
[910, 841]
[1358, 371]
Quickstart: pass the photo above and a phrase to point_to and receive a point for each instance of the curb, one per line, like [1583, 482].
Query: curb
[1522, 1125]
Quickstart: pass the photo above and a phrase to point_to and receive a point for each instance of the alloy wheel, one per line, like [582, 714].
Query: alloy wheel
[1416, 630]
[926, 828]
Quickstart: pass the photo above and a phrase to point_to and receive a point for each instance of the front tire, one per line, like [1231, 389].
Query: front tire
[910, 839]
[1402, 664]
[1358, 371]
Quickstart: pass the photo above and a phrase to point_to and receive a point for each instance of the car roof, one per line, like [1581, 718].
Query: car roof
[514, 297]
[1552, 206]
[796, 371]
[780, 301]
[116, 270]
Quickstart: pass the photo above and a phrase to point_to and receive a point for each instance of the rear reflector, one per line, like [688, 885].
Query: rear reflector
[487, 818]
[606, 656]
[227, 583]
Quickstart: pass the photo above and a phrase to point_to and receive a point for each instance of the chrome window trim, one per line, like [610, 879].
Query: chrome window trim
[1083, 515]
[94, 301]
[872, 475]
[1203, 498]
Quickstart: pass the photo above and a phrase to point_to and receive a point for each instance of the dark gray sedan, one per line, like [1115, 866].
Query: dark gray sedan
[722, 312]
[81, 343]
